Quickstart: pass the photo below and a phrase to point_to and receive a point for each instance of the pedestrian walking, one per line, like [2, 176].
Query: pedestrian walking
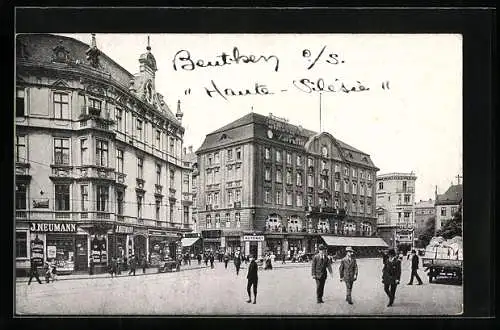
[206, 259]
[252, 280]
[414, 268]
[34, 272]
[348, 272]
[212, 259]
[391, 275]
[132, 265]
[144, 264]
[113, 267]
[226, 260]
[198, 257]
[91, 266]
[268, 263]
[320, 264]
[237, 263]
[283, 258]
[46, 272]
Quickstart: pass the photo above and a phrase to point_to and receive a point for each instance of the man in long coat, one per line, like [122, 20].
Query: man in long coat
[414, 268]
[391, 275]
[253, 279]
[237, 262]
[320, 263]
[348, 272]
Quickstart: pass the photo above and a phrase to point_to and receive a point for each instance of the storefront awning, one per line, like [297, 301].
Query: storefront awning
[188, 241]
[354, 241]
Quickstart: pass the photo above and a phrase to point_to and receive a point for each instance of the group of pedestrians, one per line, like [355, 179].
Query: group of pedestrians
[348, 272]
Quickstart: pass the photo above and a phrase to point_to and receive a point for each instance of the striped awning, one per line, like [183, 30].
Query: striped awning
[353, 241]
[188, 241]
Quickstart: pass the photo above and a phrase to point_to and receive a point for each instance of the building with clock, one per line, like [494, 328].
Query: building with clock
[98, 156]
[265, 185]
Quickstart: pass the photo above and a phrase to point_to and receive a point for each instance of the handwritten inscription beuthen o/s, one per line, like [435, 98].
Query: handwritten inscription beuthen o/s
[183, 60]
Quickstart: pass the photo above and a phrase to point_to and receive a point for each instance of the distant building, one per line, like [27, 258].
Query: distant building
[265, 185]
[448, 204]
[395, 218]
[423, 210]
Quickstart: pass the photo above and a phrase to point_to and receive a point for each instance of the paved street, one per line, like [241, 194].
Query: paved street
[285, 290]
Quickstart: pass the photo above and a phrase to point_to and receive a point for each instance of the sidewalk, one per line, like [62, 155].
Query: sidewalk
[85, 275]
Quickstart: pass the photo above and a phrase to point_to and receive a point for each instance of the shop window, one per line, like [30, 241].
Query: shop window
[186, 215]
[61, 105]
[228, 220]
[21, 244]
[62, 197]
[21, 196]
[61, 151]
[119, 202]
[61, 251]
[21, 154]
[20, 103]
[98, 248]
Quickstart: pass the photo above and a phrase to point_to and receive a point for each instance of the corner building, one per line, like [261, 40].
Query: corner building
[265, 185]
[98, 158]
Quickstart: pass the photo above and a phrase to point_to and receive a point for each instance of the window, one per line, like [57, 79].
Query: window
[309, 200]
[237, 219]
[310, 180]
[323, 183]
[399, 215]
[354, 188]
[354, 172]
[216, 175]
[278, 197]
[61, 151]
[310, 162]
[101, 153]
[299, 179]
[404, 185]
[209, 199]
[380, 185]
[186, 215]
[443, 211]
[337, 185]
[185, 182]
[289, 158]
[95, 106]
[267, 153]
[407, 215]
[289, 198]
[228, 220]
[84, 152]
[139, 206]
[299, 160]
[369, 190]
[238, 195]
[267, 175]
[172, 178]
[119, 202]
[238, 153]
[21, 155]
[172, 146]
[217, 157]
[21, 244]
[171, 212]
[102, 197]
[237, 171]
[216, 198]
[453, 210]
[407, 198]
[346, 171]
[209, 221]
[361, 174]
[267, 196]
[346, 186]
[217, 220]
[62, 197]
[289, 177]
[84, 195]
[20, 196]
[119, 120]
[230, 196]
[278, 156]
[20, 103]
[139, 129]
[61, 106]
[140, 163]
[337, 168]
[368, 176]
[323, 165]
[229, 154]
[278, 175]
[362, 189]
[299, 199]
[158, 174]
[157, 139]
[119, 160]
[230, 171]
[157, 209]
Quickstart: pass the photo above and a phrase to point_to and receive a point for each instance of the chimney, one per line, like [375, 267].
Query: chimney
[190, 149]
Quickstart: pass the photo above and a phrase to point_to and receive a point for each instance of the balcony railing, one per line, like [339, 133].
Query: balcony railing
[158, 189]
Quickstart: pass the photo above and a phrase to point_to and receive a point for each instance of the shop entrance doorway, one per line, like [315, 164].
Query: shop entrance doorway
[81, 256]
[140, 246]
[253, 249]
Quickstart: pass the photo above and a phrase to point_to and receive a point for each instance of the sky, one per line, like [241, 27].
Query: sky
[408, 117]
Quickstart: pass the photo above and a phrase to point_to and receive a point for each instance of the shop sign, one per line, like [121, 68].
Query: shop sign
[274, 236]
[222, 241]
[41, 203]
[53, 227]
[253, 238]
[295, 237]
[124, 229]
[162, 233]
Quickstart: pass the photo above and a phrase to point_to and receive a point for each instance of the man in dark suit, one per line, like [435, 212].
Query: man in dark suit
[414, 267]
[237, 262]
[253, 279]
[348, 272]
[391, 275]
[34, 272]
[320, 263]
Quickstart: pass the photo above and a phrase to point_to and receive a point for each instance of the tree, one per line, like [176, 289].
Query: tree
[425, 237]
[452, 227]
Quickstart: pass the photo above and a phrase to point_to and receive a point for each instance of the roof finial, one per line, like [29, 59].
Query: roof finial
[149, 46]
[179, 113]
[94, 45]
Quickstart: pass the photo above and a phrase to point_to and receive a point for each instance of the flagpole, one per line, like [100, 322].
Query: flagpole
[320, 112]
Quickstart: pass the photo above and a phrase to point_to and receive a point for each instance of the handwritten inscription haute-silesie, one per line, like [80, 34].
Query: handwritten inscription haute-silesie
[183, 60]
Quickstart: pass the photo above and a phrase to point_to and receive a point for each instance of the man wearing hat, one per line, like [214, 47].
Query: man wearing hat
[320, 263]
[391, 275]
[348, 272]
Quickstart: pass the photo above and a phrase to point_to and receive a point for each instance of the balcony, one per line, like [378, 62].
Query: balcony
[158, 189]
[324, 172]
[61, 171]
[139, 184]
[22, 169]
[405, 190]
[120, 177]
[90, 117]
[93, 171]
